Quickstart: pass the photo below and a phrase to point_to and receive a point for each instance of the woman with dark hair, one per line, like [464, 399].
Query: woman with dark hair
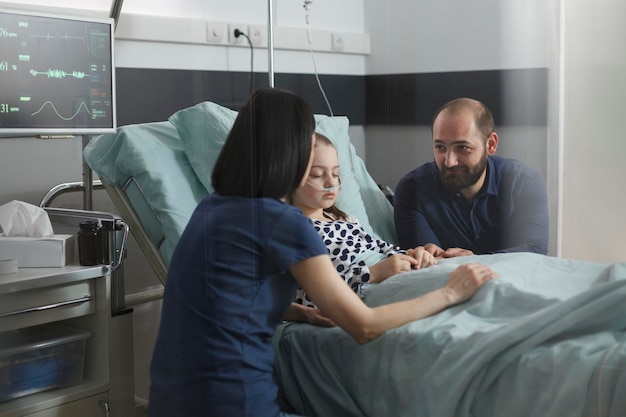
[265, 156]
[238, 263]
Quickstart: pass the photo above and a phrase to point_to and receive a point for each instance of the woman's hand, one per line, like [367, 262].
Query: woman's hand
[391, 265]
[319, 278]
[465, 280]
[422, 256]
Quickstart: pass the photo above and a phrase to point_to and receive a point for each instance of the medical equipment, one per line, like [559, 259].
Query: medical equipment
[58, 77]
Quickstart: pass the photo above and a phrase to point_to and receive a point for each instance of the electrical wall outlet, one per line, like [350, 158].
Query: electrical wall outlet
[215, 32]
[337, 42]
[241, 40]
[257, 34]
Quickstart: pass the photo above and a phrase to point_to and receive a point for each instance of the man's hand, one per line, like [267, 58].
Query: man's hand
[439, 253]
[434, 250]
[454, 252]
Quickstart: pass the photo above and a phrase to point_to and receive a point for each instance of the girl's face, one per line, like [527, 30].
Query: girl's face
[321, 187]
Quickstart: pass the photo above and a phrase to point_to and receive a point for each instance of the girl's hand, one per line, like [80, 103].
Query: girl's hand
[422, 256]
[299, 313]
[391, 265]
[315, 317]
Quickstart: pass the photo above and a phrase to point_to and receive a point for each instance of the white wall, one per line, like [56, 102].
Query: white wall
[421, 36]
[594, 203]
[432, 36]
[581, 44]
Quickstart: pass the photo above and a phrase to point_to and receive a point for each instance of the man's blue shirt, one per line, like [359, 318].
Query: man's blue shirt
[509, 214]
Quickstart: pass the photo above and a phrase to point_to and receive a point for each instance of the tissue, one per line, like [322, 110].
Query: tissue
[20, 219]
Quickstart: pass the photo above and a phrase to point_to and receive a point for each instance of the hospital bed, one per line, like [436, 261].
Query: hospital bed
[547, 338]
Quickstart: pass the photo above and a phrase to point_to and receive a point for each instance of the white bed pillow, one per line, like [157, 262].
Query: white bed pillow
[153, 155]
[203, 129]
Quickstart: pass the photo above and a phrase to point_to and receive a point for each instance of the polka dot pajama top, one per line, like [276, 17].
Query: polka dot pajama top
[345, 241]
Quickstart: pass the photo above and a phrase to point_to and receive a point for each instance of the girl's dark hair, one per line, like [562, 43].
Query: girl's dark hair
[333, 210]
[268, 149]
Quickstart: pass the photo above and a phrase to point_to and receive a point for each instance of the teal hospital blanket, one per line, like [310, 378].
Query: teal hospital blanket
[547, 338]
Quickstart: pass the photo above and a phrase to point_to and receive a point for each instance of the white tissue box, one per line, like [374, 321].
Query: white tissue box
[53, 251]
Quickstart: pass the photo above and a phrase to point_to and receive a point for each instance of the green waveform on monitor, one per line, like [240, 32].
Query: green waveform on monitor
[56, 73]
[82, 105]
[65, 37]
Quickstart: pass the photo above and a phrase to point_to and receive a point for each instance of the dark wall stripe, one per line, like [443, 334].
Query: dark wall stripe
[148, 95]
[516, 97]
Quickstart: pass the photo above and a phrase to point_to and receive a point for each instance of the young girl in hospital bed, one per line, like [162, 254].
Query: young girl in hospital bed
[350, 247]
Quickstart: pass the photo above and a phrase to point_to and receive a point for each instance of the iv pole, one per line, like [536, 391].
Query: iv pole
[116, 9]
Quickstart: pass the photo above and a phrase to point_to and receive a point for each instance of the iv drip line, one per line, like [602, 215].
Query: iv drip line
[307, 4]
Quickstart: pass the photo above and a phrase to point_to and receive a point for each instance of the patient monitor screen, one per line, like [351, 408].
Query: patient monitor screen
[56, 75]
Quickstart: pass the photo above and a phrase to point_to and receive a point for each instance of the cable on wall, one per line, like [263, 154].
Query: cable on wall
[307, 6]
[239, 33]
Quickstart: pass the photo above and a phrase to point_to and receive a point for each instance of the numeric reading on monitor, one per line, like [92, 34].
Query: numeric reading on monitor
[56, 74]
